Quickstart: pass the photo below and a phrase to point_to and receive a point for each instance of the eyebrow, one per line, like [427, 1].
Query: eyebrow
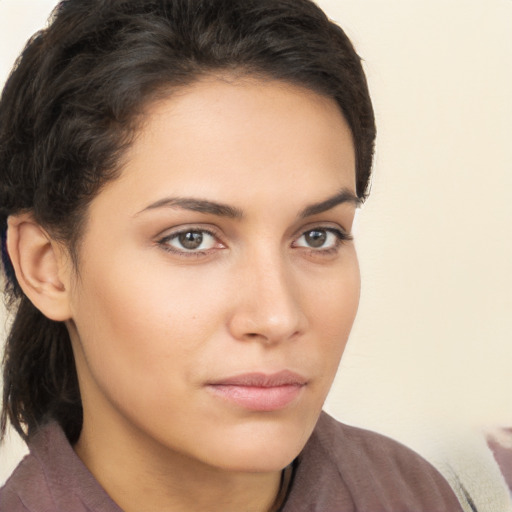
[344, 196]
[232, 212]
[197, 205]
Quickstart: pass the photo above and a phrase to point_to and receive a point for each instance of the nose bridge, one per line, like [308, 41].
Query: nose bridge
[269, 303]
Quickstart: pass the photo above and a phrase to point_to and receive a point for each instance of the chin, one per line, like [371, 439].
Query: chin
[263, 447]
[258, 460]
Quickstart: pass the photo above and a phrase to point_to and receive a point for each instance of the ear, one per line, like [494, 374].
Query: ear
[41, 265]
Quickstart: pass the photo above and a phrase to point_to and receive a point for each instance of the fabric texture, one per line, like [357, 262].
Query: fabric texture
[500, 443]
[463, 457]
[341, 469]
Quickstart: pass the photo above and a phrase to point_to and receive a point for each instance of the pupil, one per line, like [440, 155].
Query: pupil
[316, 238]
[191, 240]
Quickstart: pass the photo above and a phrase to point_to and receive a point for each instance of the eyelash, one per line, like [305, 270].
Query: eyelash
[341, 238]
[164, 242]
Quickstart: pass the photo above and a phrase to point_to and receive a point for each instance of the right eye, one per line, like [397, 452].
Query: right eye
[195, 241]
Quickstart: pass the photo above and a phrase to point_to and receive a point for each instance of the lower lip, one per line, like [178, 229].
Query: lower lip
[256, 398]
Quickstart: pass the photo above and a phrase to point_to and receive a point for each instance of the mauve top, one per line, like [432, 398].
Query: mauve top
[503, 455]
[341, 469]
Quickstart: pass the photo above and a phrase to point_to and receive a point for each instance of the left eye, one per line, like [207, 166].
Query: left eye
[192, 240]
[319, 238]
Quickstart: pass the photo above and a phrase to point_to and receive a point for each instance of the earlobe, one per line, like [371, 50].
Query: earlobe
[39, 265]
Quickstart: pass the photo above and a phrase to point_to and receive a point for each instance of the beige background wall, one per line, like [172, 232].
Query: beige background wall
[430, 354]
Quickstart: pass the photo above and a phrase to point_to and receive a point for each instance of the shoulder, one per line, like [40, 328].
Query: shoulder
[26, 489]
[358, 470]
[370, 449]
[52, 479]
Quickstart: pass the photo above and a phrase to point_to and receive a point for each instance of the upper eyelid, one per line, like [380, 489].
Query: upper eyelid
[340, 234]
[171, 232]
[176, 234]
[328, 226]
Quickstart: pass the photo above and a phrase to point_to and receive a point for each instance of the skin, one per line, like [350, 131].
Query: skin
[152, 324]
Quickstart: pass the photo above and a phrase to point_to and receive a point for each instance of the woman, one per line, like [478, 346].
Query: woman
[179, 182]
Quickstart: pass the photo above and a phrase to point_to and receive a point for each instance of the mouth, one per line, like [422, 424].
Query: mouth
[260, 391]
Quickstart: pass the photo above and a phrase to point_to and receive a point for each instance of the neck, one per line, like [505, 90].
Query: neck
[140, 474]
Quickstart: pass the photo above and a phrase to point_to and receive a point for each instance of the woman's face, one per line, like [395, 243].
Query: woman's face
[217, 280]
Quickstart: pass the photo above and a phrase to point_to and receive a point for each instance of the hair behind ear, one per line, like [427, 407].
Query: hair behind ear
[40, 380]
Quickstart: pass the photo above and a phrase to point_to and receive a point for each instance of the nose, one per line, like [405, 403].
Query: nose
[267, 305]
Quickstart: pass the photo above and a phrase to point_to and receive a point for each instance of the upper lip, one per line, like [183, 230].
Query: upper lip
[263, 380]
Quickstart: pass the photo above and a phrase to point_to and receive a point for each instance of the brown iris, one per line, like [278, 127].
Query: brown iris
[315, 238]
[191, 239]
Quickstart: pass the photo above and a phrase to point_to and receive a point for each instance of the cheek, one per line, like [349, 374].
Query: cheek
[335, 295]
[333, 305]
[144, 321]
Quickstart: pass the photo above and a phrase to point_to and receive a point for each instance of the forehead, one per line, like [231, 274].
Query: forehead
[230, 138]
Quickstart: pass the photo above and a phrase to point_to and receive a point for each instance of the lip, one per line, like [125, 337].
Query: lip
[260, 391]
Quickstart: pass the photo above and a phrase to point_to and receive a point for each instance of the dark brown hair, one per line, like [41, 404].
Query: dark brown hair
[70, 107]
